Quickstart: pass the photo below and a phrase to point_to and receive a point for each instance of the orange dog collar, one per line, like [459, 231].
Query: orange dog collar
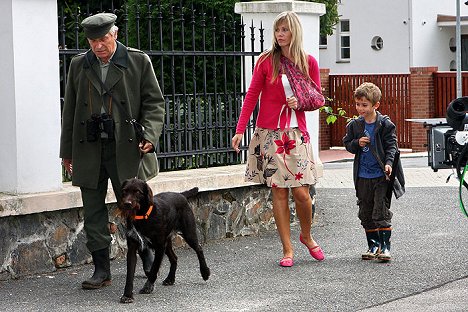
[145, 217]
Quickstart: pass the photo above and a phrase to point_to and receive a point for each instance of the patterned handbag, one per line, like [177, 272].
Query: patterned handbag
[309, 96]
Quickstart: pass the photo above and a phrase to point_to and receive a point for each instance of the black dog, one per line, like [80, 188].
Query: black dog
[151, 223]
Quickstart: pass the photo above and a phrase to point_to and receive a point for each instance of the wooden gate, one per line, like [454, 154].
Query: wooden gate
[395, 102]
[445, 90]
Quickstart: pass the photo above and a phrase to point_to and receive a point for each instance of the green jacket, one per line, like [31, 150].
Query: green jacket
[132, 81]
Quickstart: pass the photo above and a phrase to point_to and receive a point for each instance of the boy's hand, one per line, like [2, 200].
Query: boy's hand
[388, 170]
[363, 141]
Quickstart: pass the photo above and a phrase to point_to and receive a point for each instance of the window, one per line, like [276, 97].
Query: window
[344, 41]
[377, 43]
[323, 41]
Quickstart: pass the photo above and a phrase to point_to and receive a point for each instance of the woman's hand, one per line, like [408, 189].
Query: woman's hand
[292, 102]
[236, 140]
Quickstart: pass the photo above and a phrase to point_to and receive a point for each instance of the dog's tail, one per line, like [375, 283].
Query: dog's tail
[190, 193]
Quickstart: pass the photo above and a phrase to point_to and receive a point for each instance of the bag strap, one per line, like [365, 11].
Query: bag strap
[286, 109]
[131, 119]
[292, 71]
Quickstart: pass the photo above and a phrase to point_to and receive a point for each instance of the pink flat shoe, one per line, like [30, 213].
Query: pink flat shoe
[286, 262]
[316, 252]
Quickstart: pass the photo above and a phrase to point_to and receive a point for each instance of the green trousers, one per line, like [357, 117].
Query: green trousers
[96, 215]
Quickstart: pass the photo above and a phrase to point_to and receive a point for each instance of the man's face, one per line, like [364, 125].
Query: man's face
[104, 47]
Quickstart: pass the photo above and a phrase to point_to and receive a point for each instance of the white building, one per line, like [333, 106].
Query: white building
[381, 36]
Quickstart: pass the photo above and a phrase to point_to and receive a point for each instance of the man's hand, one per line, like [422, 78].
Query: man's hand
[146, 147]
[67, 163]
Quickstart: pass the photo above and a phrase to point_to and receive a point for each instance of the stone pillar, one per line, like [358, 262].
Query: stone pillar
[263, 13]
[30, 101]
[422, 104]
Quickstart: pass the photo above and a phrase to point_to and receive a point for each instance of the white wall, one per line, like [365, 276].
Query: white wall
[369, 18]
[29, 88]
[401, 24]
[431, 42]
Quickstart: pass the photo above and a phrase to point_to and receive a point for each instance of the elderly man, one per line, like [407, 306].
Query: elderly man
[107, 87]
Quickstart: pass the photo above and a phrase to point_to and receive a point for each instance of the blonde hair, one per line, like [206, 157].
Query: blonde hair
[369, 91]
[296, 49]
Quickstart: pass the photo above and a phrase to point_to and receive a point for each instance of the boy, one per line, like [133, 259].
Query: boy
[372, 138]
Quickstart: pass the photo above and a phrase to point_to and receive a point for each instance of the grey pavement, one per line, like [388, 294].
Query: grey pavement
[428, 272]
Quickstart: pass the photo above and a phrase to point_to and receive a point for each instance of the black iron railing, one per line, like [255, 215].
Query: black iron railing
[200, 63]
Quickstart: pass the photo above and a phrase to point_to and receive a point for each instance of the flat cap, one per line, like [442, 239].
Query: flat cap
[97, 26]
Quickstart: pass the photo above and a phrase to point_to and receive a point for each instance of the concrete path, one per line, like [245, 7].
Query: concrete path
[429, 271]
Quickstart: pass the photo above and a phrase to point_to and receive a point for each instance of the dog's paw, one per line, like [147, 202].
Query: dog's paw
[168, 282]
[147, 289]
[125, 299]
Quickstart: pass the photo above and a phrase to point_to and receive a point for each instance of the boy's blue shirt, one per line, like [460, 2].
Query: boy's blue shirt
[369, 167]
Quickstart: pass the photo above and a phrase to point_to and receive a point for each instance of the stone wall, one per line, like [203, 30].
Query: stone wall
[44, 242]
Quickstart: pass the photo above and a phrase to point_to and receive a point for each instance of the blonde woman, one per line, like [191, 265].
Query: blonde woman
[280, 154]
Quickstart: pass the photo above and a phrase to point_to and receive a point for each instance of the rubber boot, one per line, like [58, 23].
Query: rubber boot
[147, 258]
[101, 276]
[373, 242]
[385, 235]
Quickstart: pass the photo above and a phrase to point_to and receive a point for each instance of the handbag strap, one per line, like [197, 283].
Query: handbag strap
[286, 109]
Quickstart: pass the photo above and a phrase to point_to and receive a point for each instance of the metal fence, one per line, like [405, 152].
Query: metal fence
[200, 63]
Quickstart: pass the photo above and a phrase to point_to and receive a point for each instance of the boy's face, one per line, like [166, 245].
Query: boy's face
[365, 108]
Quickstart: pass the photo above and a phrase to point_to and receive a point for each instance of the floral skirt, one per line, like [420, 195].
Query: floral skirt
[280, 158]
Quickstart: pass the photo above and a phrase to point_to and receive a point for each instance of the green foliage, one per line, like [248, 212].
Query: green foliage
[332, 116]
[329, 20]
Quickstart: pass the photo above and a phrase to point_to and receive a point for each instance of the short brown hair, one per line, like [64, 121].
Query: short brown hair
[369, 91]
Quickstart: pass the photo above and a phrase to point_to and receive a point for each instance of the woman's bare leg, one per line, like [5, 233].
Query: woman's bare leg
[304, 213]
[281, 214]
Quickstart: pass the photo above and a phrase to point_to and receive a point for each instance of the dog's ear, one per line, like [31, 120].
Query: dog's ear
[149, 194]
[124, 184]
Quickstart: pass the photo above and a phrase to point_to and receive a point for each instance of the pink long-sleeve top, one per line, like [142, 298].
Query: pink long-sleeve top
[272, 98]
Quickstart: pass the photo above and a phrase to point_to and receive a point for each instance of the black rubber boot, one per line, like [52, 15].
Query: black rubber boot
[102, 275]
[385, 235]
[147, 258]
[373, 242]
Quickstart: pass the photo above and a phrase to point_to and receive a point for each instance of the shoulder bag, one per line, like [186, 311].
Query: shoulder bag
[309, 96]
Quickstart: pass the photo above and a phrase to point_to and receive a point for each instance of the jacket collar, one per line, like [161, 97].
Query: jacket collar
[120, 57]
[378, 121]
